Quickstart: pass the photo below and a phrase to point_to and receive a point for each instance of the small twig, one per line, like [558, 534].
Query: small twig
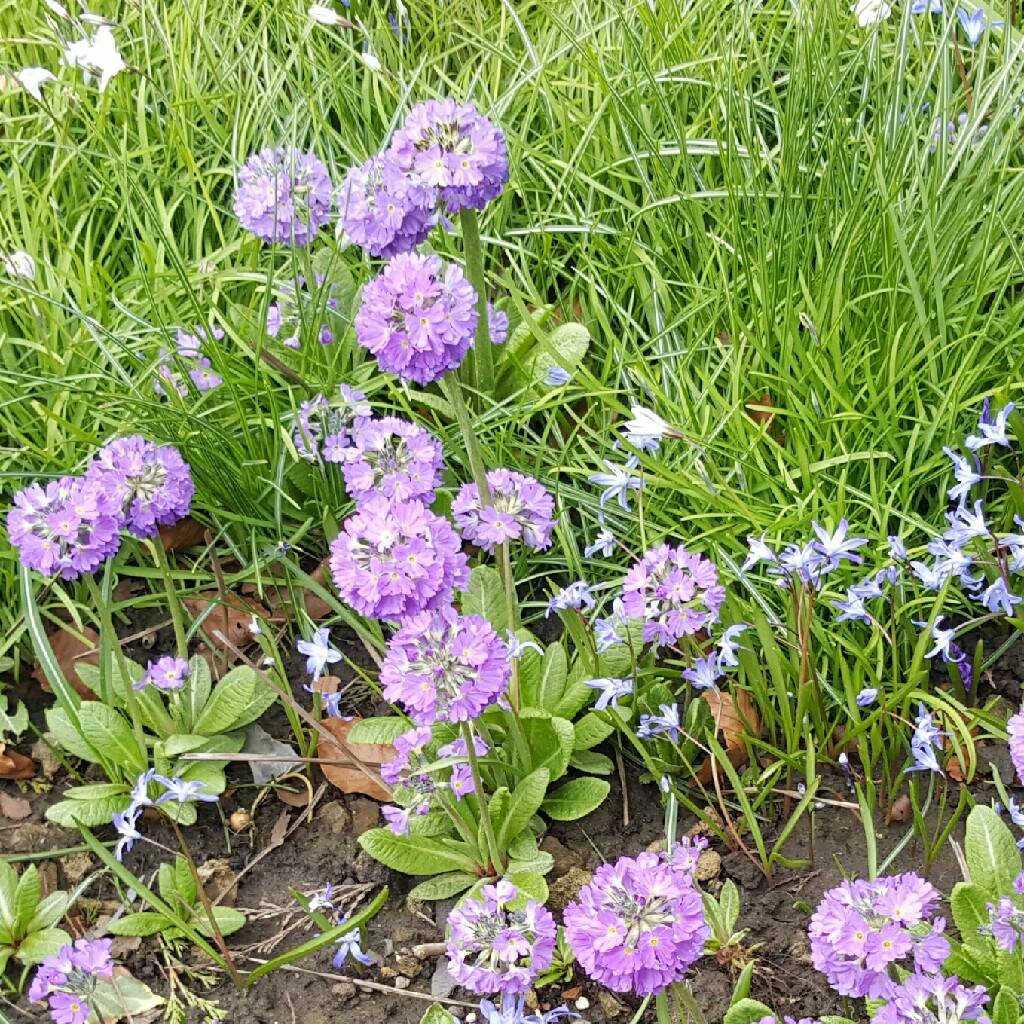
[263, 757]
[428, 949]
[625, 792]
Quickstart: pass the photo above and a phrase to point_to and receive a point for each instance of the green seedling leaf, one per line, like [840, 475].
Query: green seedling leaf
[442, 887]
[437, 1014]
[746, 1011]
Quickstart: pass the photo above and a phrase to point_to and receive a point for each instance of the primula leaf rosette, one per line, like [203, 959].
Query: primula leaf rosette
[862, 932]
[395, 559]
[520, 508]
[395, 458]
[418, 317]
[674, 591]
[443, 666]
[639, 924]
[492, 948]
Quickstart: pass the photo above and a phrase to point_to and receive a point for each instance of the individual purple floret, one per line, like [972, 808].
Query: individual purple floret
[167, 673]
[675, 592]
[520, 509]
[932, 999]
[152, 484]
[1015, 729]
[452, 147]
[492, 948]
[67, 528]
[418, 317]
[68, 978]
[445, 667]
[497, 325]
[323, 429]
[395, 458]
[1005, 924]
[862, 932]
[385, 211]
[639, 924]
[404, 770]
[188, 353]
[296, 310]
[394, 559]
[283, 195]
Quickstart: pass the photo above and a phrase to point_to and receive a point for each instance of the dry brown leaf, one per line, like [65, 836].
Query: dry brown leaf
[279, 831]
[230, 618]
[734, 717]
[185, 533]
[292, 797]
[278, 597]
[15, 766]
[219, 881]
[14, 808]
[71, 649]
[760, 410]
[350, 778]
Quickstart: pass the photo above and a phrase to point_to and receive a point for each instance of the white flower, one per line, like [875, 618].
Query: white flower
[19, 264]
[325, 15]
[646, 427]
[96, 56]
[370, 61]
[32, 79]
[59, 9]
[870, 12]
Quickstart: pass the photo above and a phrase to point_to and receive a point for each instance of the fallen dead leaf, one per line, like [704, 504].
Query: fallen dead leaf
[350, 778]
[71, 649]
[185, 533]
[734, 717]
[279, 599]
[228, 619]
[14, 808]
[219, 881]
[15, 766]
[760, 410]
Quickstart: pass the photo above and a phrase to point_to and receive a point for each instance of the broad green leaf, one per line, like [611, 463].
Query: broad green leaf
[148, 700]
[197, 690]
[968, 903]
[1005, 1008]
[576, 799]
[8, 895]
[539, 864]
[149, 922]
[119, 997]
[729, 904]
[49, 911]
[414, 856]
[969, 965]
[68, 738]
[544, 689]
[741, 990]
[88, 810]
[238, 699]
[228, 920]
[747, 1011]
[12, 724]
[523, 846]
[434, 823]
[531, 886]
[524, 802]
[184, 883]
[549, 741]
[39, 945]
[485, 596]
[437, 1014]
[441, 887]
[108, 731]
[992, 855]
[378, 730]
[591, 729]
[591, 762]
[26, 897]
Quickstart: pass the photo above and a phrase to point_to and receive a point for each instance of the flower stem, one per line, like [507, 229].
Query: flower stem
[453, 392]
[174, 605]
[481, 798]
[681, 992]
[483, 360]
[511, 604]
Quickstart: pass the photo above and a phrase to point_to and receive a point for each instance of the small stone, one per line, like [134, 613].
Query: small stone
[239, 820]
[583, 1003]
[387, 971]
[43, 755]
[343, 990]
[564, 890]
[402, 983]
[365, 814]
[402, 934]
[409, 965]
[708, 866]
[658, 846]
[532, 1002]
[76, 866]
[564, 858]
[610, 1006]
[335, 817]
[442, 984]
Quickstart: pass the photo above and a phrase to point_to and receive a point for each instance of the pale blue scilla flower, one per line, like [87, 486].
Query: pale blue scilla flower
[603, 542]
[183, 791]
[727, 646]
[965, 525]
[996, 598]
[667, 722]
[897, 549]
[606, 634]
[932, 577]
[705, 673]
[967, 474]
[611, 690]
[869, 588]
[926, 7]
[576, 595]
[557, 376]
[318, 651]
[837, 546]
[867, 697]
[925, 743]
[943, 638]
[974, 25]
[991, 431]
[517, 647]
[852, 610]
[618, 482]
[759, 552]
[348, 946]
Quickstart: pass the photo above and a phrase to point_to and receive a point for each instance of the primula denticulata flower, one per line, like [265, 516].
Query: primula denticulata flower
[520, 509]
[395, 458]
[68, 978]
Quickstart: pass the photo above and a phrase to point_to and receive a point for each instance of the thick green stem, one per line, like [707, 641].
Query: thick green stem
[481, 798]
[173, 604]
[509, 583]
[453, 392]
[483, 359]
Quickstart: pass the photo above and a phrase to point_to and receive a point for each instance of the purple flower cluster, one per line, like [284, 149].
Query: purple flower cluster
[520, 508]
[188, 354]
[1015, 729]
[933, 999]
[675, 592]
[492, 948]
[394, 559]
[418, 317]
[863, 932]
[324, 429]
[283, 195]
[287, 317]
[639, 924]
[72, 525]
[405, 770]
[1005, 924]
[152, 484]
[395, 458]
[167, 673]
[446, 667]
[68, 978]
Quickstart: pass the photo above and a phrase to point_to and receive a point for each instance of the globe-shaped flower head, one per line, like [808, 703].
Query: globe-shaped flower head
[674, 591]
[153, 484]
[492, 948]
[418, 317]
[283, 195]
[394, 559]
[445, 667]
[933, 999]
[324, 429]
[520, 508]
[69, 527]
[395, 458]
[452, 147]
[862, 932]
[639, 923]
[385, 211]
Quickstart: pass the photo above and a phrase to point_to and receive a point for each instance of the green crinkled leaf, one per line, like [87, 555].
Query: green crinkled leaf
[531, 886]
[523, 804]
[89, 810]
[968, 903]
[228, 920]
[148, 922]
[197, 690]
[992, 855]
[540, 864]
[747, 1011]
[437, 1014]
[39, 945]
[8, 895]
[549, 741]
[49, 911]
[442, 887]
[576, 799]
[108, 731]
[238, 699]
[591, 762]
[523, 846]
[729, 905]
[119, 997]
[378, 730]
[434, 823]
[543, 687]
[485, 596]
[68, 738]
[970, 966]
[27, 896]
[591, 729]
[416, 855]
[1005, 1008]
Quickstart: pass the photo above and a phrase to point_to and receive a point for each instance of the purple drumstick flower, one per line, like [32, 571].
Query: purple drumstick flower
[520, 508]
[931, 999]
[323, 429]
[395, 458]
[167, 673]
[68, 978]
